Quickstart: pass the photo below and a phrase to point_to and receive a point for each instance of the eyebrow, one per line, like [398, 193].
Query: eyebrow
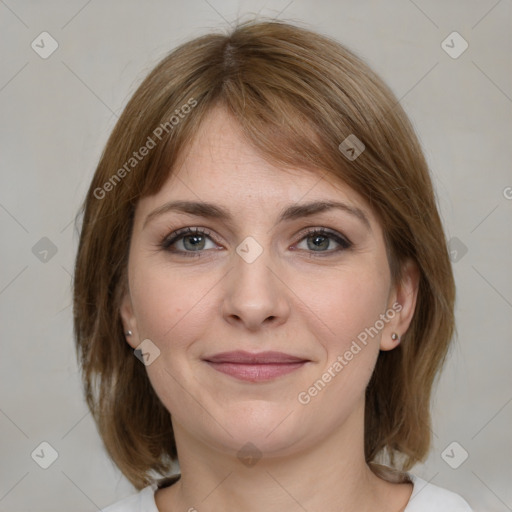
[292, 212]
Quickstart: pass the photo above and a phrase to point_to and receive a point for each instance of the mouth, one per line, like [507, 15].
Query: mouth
[255, 367]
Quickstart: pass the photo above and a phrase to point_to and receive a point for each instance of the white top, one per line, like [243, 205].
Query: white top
[425, 497]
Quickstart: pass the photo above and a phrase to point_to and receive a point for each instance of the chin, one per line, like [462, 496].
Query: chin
[269, 428]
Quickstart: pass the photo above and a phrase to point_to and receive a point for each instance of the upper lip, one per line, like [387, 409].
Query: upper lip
[242, 357]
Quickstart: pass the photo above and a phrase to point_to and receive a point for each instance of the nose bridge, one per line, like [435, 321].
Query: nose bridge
[253, 293]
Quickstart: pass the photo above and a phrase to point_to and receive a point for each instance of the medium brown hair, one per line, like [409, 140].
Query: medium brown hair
[297, 95]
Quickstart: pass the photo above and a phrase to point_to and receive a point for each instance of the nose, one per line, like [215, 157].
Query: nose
[255, 295]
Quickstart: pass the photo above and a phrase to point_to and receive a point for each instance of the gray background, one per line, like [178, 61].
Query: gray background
[56, 114]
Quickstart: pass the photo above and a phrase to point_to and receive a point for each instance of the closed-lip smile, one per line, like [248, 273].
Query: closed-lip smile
[255, 367]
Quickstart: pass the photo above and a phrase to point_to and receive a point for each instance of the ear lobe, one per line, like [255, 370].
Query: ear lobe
[403, 301]
[129, 320]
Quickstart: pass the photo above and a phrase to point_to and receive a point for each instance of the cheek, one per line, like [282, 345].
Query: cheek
[171, 309]
[345, 310]
[344, 303]
[168, 304]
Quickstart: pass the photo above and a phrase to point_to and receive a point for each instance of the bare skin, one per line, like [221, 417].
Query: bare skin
[308, 296]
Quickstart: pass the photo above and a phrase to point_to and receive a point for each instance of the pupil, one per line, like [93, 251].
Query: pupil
[321, 238]
[196, 242]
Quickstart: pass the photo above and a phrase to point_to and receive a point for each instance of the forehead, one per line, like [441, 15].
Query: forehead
[220, 161]
[220, 166]
[220, 153]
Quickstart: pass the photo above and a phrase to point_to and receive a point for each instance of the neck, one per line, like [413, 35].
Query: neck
[331, 475]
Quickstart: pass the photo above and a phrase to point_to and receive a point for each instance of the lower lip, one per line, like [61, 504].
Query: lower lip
[256, 372]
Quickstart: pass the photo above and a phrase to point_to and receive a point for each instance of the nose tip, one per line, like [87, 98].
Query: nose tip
[265, 320]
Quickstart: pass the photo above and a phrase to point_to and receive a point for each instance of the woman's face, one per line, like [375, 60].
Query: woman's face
[267, 332]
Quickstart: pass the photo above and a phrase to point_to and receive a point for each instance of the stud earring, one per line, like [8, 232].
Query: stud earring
[395, 336]
[129, 333]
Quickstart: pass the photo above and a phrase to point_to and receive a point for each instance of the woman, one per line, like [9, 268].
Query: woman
[263, 291]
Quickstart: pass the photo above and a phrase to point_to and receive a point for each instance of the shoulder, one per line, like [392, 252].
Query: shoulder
[427, 497]
[143, 501]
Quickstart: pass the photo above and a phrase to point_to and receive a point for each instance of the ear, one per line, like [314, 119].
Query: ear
[129, 320]
[402, 301]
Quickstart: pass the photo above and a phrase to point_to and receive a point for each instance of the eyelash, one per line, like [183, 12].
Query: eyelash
[174, 237]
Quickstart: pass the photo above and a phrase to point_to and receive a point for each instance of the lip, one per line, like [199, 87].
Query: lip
[255, 367]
